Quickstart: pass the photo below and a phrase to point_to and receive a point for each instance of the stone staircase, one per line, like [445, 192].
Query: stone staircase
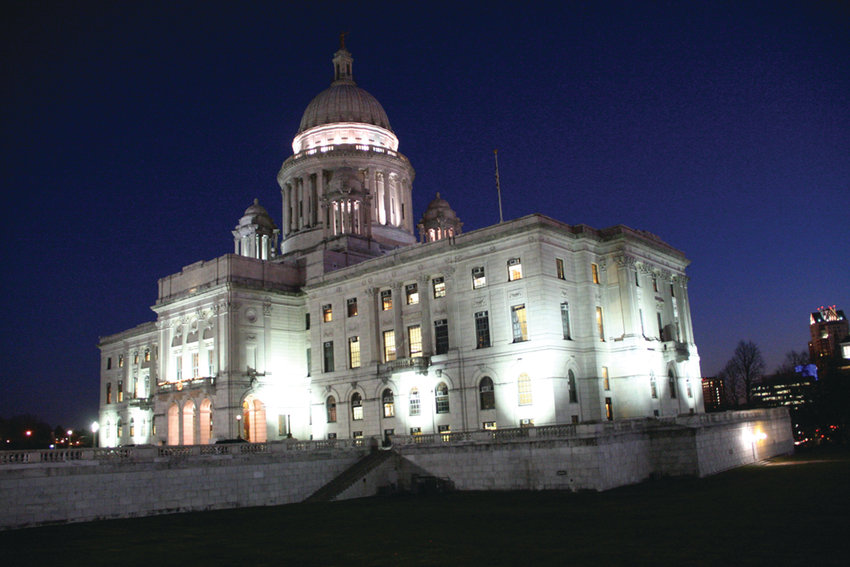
[349, 476]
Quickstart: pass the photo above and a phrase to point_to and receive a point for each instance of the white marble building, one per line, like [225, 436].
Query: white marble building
[352, 328]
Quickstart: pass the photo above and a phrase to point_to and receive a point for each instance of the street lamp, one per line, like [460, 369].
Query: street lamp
[94, 427]
[239, 427]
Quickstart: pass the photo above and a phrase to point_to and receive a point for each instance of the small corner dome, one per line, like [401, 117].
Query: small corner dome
[256, 214]
[439, 208]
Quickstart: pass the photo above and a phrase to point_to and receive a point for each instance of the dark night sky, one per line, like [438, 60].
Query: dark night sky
[135, 134]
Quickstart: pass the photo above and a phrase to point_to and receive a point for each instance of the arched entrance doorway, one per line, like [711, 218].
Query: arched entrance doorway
[189, 423]
[205, 419]
[173, 425]
[254, 420]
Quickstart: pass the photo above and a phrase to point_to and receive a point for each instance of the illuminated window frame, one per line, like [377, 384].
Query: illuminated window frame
[356, 407]
[519, 323]
[524, 394]
[327, 313]
[439, 287]
[389, 345]
[386, 299]
[559, 269]
[514, 269]
[411, 293]
[414, 339]
[354, 352]
[352, 307]
[486, 394]
[441, 398]
[482, 329]
[479, 279]
[388, 403]
[594, 273]
[414, 402]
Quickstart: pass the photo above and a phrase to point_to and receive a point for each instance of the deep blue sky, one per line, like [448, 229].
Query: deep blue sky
[135, 134]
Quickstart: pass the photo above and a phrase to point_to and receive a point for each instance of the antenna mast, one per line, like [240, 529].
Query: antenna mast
[498, 187]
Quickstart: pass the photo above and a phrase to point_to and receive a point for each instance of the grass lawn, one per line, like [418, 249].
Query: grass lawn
[793, 511]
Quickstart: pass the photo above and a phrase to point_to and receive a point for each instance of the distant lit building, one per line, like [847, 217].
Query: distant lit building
[714, 394]
[352, 328]
[830, 338]
[794, 390]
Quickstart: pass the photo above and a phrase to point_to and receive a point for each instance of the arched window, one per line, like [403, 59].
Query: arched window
[486, 395]
[189, 423]
[414, 401]
[571, 383]
[441, 395]
[672, 379]
[120, 430]
[387, 401]
[330, 406]
[173, 425]
[132, 427]
[523, 385]
[356, 407]
[205, 420]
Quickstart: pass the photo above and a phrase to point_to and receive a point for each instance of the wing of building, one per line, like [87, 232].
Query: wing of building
[354, 327]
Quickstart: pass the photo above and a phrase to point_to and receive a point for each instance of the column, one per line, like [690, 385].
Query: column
[398, 323]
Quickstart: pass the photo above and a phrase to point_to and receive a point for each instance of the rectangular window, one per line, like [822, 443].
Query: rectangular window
[389, 433]
[565, 320]
[196, 369]
[282, 429]
[414, 403]
[441, 336]
[637, 279]
[606, 384]
[352, 307]
[331, 435]
[524, 423]
[414, 339]
[120, 361]
[654, 283]
[672, 291]
[109, 392]
[309, 360]
[660, 326]
[135, 358]
[445, 432]
[524, 390]
[386, 300]
[594, 272]
[109, 363]
[609, 409]
[354, 352]
[179, 362]
[416, 431]
[357, 435]
[210, 362]
[328, 354]
[411, 292]
[147, 355]
[306, 321]
[120, 391]
[653, 388]
[478, 278]
[599, 324]
[489, 425]
[439, 287]
[482, 329]
[327, 313]
[514, 269]
[559, 268]
[519, 324]
[389, 345]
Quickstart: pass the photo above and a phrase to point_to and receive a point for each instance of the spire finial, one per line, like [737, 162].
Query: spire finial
[342, 39]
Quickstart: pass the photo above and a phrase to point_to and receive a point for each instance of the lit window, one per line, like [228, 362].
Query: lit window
[147, 355]
[412, 293]
[120, 361]
[356, 407]
[439, 287]
[352, 307]
[489, 425]
[482, 329]
[354, 352]
[441, 336]
[486, 395]
[327, 313]
[120, 429]
[571, 383]
[594, 272]
[519, 324]
[559, 268]
[386, 300]
[609, 409]
[514, 269]
[357, 434]
[388, 403]
[606, 384]
[195, 365]
[416, 431]
[565, 319]
[414, 339]
[210, 363]
[109, 392]
[441, 395]
[523, 423]
[328, 354]
[414, 406]
[599, 324]
[524, 389]
[445, 432]
[132, 427]
[478, 278]
[389, 345]
[135, 358]
[120, 391]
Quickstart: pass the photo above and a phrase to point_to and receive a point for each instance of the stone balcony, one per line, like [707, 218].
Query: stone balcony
[418, 364]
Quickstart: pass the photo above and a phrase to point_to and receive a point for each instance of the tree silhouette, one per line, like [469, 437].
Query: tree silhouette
[743, 371]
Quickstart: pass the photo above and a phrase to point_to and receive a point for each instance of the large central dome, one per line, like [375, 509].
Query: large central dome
[344, 101]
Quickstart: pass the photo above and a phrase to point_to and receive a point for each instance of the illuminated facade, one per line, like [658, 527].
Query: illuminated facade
[354, 329]
[830, 337]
